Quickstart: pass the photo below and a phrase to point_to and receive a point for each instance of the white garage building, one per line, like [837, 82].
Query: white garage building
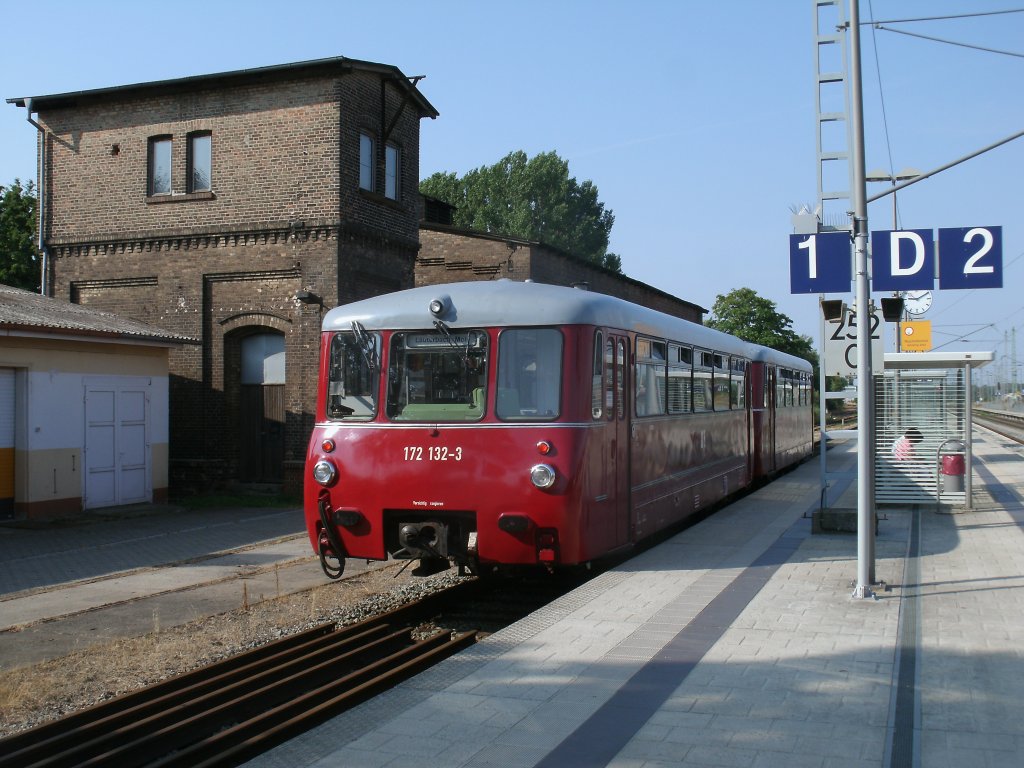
[83, 408]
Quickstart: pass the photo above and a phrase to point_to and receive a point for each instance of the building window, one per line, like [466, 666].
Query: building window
[160, 165]
[365, 162]
[200, 162]
[392, 177]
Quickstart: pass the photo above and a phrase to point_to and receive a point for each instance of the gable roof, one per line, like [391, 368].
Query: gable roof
[23, 313]
[337, 65]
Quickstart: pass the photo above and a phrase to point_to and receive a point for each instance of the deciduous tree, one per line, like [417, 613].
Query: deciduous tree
[743, 313]
[532, 198]
[19, 265]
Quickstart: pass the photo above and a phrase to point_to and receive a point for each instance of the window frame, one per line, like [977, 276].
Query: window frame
[192, 137]
[392, 171]
[367, 161]
[152, 158]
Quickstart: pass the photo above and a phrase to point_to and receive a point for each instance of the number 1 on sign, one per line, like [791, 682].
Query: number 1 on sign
[811, 244]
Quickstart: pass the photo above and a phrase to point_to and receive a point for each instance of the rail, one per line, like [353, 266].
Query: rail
[225, 713]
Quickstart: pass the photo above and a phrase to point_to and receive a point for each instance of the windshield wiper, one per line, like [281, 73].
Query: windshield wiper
[366, 346]
[445, 331]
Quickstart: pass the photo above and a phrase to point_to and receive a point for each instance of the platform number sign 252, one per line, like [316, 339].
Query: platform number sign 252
[841, 345]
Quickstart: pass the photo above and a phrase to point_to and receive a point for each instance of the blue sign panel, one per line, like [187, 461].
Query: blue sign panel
[971, 257]
[820, 263]
[903, 260]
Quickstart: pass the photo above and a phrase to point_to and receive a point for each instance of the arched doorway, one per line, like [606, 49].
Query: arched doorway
[261, 408]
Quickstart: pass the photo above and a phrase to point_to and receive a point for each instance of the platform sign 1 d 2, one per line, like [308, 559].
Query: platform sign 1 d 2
[820, 263]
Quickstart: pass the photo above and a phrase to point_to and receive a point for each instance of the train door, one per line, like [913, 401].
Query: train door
[770, 393]
[608, 522]
[617, 377]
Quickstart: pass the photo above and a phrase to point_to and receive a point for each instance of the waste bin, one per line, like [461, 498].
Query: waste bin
[952, 455]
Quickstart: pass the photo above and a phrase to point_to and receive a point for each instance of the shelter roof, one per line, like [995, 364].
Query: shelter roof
[934, 361]
[23, 313]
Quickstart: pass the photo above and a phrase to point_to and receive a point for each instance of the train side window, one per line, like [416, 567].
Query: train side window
[784, 388]
[620, 379]
[597, 384]
[609, 379]
[680, 379]
[650, 377]
[721, 382]
[737, 384]
[703, 365]
[529, 374]
[353, 375]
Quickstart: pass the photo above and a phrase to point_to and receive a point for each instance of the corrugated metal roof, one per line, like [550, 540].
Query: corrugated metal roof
[27, 313]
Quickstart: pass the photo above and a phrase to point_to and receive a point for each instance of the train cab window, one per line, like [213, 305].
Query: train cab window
[438, 376]
[597, 386]
[529, 374]
[738, 382]
[650, 377]
[703, 365]
[680, 379]
[354, 371]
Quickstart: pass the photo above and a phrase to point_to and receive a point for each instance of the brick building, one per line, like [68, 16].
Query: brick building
[234, 208]
[449, 254]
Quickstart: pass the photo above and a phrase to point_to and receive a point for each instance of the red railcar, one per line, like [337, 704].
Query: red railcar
[495, 424]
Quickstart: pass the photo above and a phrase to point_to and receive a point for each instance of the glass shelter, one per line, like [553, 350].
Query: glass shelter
[922, 407]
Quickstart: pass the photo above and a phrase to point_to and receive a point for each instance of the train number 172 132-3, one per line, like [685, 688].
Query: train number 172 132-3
[432, 453]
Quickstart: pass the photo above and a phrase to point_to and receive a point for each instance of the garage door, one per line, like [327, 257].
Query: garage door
[6, 443]
[117, 460]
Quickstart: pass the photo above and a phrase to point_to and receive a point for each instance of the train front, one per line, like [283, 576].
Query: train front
[440, 442]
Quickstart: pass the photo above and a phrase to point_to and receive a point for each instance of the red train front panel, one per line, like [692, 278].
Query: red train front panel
[426, 446]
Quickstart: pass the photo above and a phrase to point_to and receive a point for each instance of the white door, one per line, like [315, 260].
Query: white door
[117, 460]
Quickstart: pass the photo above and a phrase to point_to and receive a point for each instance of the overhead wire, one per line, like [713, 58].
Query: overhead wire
[947, 42]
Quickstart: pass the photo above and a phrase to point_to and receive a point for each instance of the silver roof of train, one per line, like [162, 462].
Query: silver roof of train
[509, 303]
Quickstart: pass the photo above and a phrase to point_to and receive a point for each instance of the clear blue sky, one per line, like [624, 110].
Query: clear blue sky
[694, 120]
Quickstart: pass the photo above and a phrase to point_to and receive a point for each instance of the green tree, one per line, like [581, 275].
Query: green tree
[743, 313]
[532, 198]
[19, 265]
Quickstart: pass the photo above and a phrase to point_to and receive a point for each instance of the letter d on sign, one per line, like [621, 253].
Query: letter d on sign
[903, 260]
[895, 253]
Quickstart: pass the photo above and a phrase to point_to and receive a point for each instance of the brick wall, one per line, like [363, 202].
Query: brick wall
[449, 255]
[285, 214]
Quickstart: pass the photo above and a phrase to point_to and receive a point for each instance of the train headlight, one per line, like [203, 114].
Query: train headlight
[324, 472]
[543, 475]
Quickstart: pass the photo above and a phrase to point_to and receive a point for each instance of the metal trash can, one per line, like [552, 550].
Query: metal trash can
[952, 459]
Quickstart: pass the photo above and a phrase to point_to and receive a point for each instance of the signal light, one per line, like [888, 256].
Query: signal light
[327, 445]
[543, 447]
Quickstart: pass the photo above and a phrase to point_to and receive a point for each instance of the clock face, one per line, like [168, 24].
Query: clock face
[917, 302]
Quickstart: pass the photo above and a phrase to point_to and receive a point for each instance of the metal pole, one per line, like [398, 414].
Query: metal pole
[968, 453]
[865, 443]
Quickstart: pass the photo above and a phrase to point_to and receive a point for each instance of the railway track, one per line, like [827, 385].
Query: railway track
[1009, 424]
[224, 714]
